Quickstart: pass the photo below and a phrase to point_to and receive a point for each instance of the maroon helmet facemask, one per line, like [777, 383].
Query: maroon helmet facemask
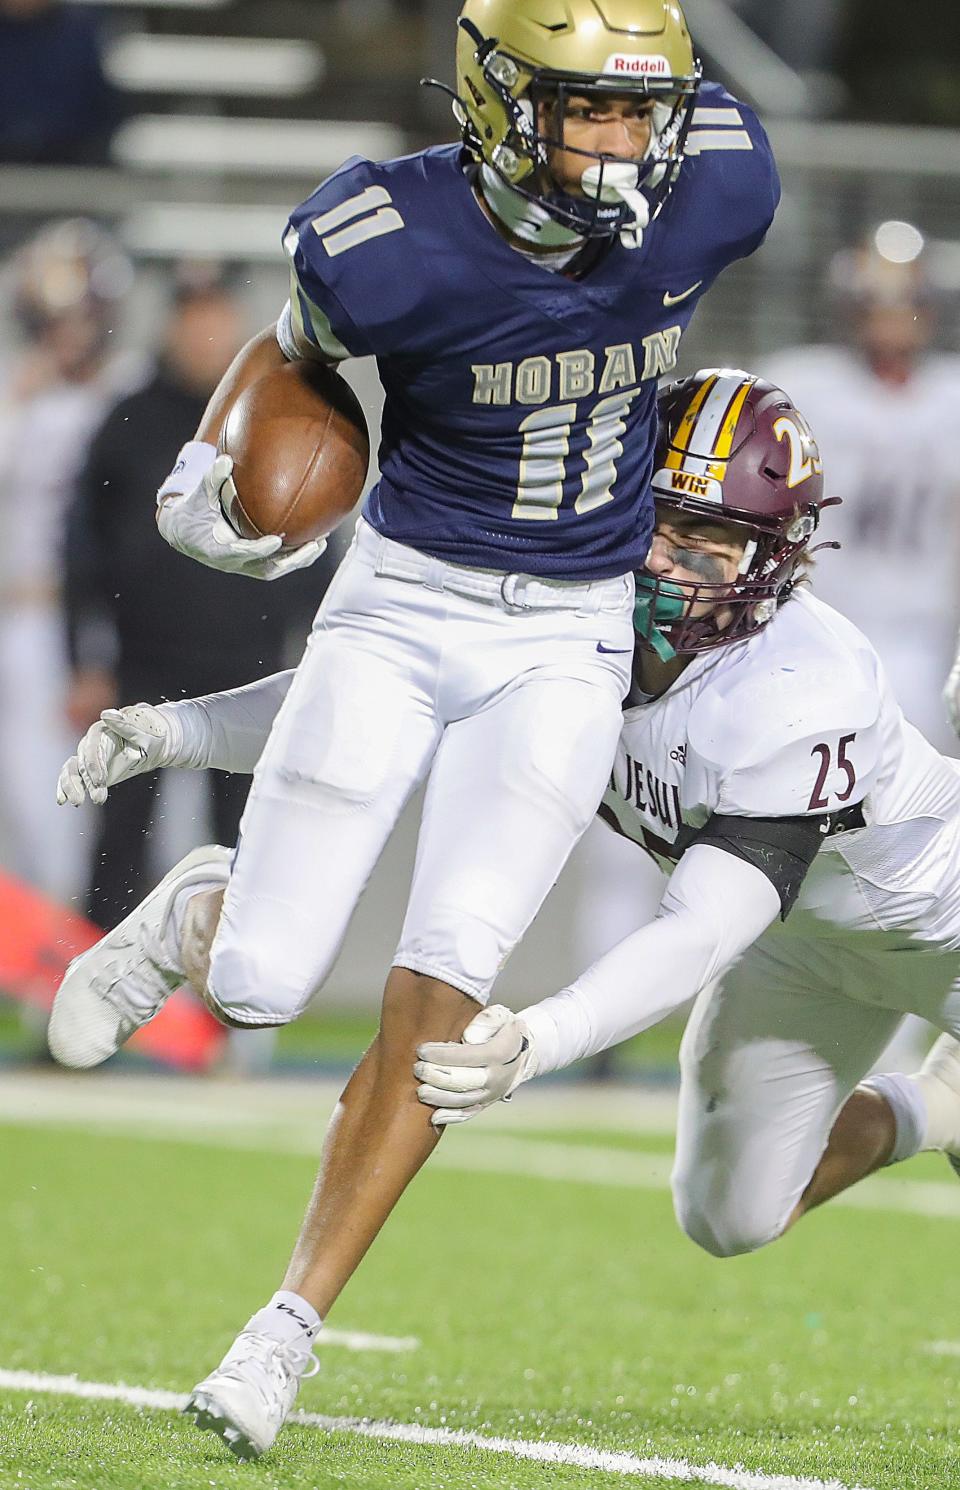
[735, 449]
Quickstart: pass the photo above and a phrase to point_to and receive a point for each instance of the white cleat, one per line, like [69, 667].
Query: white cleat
[939, 1076]
[246, 1400]
[118, 985]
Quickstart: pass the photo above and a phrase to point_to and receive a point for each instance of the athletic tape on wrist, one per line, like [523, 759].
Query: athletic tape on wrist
[192, 464]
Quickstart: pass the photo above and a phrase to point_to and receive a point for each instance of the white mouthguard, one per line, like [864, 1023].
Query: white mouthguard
[610, 181]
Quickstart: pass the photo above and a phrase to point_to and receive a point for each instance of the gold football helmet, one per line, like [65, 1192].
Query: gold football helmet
[519, 60]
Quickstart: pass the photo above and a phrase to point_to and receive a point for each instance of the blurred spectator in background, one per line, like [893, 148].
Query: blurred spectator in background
[145, 623]
[883, 405]
[68, 285]
[56, 104]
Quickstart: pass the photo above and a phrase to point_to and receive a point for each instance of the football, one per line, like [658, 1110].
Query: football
[300, 453]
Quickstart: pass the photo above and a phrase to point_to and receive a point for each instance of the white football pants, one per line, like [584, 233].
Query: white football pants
[770, 1057]
[505, 689]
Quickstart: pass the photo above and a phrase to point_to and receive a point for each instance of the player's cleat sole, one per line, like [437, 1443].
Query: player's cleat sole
[118, 985]
[211, 1417]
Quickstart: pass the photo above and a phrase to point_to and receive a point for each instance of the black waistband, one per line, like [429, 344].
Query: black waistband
[846, 820]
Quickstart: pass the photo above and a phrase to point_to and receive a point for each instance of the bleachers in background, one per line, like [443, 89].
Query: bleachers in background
[228, 129]
[160, 4]
[173, 52]
[217, 66]
[223, 122]
[198, 144]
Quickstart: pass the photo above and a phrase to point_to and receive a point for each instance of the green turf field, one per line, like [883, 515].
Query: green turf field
[139, 1233]
[331, 1039]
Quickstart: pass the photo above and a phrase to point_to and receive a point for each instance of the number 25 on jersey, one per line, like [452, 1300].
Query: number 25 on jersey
[831, 766]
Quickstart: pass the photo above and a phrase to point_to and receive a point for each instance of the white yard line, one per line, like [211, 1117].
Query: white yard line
[357, 1340]
[943, 1347]
[579, 1456]
[214, 1102]
[277, 1120]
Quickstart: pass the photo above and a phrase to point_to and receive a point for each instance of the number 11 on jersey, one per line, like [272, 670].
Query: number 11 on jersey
[546, 449]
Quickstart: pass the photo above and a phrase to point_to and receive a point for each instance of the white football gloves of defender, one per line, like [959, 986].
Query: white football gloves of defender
[193, 521]
[124, 742]
[486, 1065]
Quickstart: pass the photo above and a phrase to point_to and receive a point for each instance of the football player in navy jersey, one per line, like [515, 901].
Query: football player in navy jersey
[523, 291]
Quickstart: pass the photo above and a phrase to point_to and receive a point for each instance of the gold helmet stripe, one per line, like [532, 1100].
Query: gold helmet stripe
[712, 437]
[710, 440]
[681, 440]
[724, 442]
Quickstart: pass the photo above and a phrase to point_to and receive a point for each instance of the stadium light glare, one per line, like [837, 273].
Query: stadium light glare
[899, 242]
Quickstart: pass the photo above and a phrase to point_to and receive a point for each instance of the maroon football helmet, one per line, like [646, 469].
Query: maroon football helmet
[733, 447]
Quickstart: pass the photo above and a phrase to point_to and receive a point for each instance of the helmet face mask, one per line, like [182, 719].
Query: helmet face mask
[520, 61]
[600, 210]
[732, 449]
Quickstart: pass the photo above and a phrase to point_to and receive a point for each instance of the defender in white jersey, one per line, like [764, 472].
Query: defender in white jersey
[811, 834]
[879, 401]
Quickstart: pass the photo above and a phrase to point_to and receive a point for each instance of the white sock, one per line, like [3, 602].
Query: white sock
[940, 1102]
[907, 1100]
[173, 931]
[288, 1318]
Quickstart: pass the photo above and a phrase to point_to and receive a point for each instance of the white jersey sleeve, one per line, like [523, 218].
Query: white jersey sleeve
[791, 739]
[227, 731]
[713, 909]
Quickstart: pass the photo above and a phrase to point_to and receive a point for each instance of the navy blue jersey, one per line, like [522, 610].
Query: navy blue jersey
[520, 414]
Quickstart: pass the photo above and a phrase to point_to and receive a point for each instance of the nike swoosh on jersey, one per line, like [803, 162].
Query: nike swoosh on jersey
[669, 299]
[614, 651]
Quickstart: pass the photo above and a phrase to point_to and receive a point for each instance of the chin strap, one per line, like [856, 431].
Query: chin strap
[618, 181]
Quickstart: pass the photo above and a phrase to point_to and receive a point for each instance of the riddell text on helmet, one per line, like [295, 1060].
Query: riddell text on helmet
[654, 66]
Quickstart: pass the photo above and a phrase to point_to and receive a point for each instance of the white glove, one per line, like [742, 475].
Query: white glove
[194, 524]
[124, 742]
[488, 1063]
[951, 692]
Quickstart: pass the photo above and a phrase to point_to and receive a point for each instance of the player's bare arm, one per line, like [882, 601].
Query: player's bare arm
[292, 495]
